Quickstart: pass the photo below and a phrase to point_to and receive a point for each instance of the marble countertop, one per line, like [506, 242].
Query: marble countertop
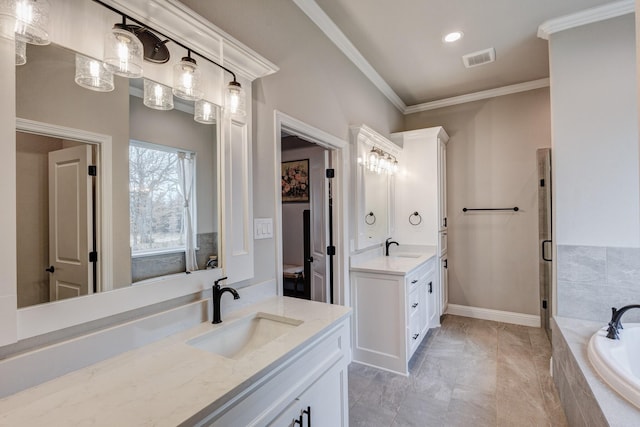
[394, 264]
[166, 382]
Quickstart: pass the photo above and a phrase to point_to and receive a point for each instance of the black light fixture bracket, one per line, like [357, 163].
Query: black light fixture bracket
[155, 49]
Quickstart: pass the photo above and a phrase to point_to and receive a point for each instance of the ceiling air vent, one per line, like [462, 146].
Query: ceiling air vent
[480, 57]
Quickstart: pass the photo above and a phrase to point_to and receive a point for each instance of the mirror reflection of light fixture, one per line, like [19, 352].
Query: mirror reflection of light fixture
[21, 52]
[235, 99]
[186, 79]
[123, 51]
[32, 21]
[204, 112]
[90, 74]
[157, 96]
[379, 161]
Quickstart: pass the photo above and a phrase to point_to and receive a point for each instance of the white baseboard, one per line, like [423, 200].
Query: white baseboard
[495, 315]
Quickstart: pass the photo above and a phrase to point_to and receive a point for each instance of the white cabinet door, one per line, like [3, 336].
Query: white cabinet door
[322, 404]
[433, 314]
[442, 184]
[444, 285]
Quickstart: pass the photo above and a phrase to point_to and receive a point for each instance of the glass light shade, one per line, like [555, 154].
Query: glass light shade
[234, 99]
[21, 52]
[32, 21]
[90, 74]
[205, 112]
[7, 18]
[123, 53]
[373, 160]
[157, 96]
[186, 80]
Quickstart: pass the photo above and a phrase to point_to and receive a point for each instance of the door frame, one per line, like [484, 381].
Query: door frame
[104, 190]
[339, 151]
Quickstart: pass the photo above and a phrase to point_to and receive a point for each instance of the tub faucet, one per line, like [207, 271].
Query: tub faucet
[614, 324]
[217, 292]
[388, 243]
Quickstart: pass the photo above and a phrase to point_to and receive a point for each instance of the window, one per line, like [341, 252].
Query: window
[156, 201]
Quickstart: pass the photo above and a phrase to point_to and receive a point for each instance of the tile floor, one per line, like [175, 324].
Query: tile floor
[469, 373]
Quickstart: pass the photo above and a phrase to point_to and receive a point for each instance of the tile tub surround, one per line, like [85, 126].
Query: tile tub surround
[592, 279]
[166, 382]
[587, 400]
[469, 372]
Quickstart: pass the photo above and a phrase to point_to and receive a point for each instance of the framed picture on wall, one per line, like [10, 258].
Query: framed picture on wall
[295, 181]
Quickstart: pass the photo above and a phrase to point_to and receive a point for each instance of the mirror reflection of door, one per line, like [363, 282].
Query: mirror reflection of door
[305, 261]
[55, 221]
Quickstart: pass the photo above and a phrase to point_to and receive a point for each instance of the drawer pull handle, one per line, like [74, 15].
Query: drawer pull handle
[414, 305]
[414, 281]
[430, 287]
[415, 336]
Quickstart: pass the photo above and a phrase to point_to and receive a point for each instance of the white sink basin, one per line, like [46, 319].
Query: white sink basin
[243, 336]
[618, 361]
[406, 255]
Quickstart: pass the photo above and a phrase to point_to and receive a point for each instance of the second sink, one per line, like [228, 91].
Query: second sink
[241, 337]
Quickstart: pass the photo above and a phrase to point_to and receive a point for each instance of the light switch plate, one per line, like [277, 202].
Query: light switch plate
[262, 228]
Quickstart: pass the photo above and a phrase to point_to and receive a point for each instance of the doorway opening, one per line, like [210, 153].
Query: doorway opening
[63, 179]
[306, 213]
[300, 150]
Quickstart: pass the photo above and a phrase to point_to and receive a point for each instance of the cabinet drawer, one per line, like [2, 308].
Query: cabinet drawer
[414, 302]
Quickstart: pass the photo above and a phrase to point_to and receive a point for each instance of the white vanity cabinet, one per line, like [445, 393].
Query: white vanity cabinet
[422, 190]
[310, 385]
[392, 312]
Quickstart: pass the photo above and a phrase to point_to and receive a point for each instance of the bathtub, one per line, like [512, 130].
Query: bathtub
[618, 361]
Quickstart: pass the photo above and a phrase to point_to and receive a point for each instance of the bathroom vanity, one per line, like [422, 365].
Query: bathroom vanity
[276, 360]
[395, 304]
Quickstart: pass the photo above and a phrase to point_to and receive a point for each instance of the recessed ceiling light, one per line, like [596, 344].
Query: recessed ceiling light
[453, 37]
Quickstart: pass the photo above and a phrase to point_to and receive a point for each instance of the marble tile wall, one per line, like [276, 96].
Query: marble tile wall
[146, 267]
[592, 279]
[580, 405]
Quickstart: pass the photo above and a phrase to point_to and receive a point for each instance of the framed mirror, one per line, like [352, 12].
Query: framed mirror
[110, 193]
[374, 186]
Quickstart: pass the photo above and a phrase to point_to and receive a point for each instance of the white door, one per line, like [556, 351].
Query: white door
[442, 184]
[444, 285]
[70, 223]
[319, 230]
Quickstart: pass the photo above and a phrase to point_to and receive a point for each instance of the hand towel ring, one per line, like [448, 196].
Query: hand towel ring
[370, 221]
[417, 221]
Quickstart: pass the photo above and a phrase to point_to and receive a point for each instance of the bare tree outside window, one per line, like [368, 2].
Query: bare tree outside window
[155, 202]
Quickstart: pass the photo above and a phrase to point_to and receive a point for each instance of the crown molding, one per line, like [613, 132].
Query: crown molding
[370, 137]
[588, 16]
[477, 96]
[331, 30]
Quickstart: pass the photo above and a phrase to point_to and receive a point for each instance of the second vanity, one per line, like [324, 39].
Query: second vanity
[395, 304]
[272, 362]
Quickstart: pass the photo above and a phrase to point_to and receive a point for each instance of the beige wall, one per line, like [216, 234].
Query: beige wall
[491, 162]
[316, 83]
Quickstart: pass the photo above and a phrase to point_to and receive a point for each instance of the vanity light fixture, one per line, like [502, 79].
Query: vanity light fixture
[157, 96]
[204, 112]
[379, 161]
[21, 52]
[186, 79]
[156, 51]
[123, 51]
[91, 74]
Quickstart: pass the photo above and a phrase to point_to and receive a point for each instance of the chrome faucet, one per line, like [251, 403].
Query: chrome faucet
[388, 243]
[217, 292]
[614, 324]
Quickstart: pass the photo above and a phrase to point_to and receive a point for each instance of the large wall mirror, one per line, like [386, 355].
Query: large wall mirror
[374, 187]
[148, 209]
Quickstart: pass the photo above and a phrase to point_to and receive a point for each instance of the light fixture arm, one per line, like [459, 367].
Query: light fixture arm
[168, 39]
